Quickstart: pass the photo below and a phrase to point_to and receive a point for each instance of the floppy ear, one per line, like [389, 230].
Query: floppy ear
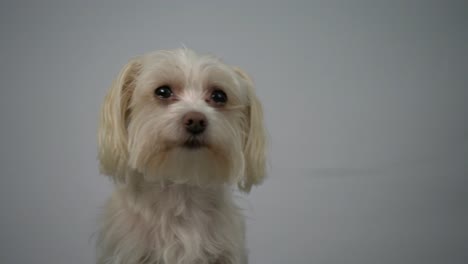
[112, 135]
[255, 141]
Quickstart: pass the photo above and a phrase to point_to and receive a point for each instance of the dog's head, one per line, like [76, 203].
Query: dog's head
[181, 117]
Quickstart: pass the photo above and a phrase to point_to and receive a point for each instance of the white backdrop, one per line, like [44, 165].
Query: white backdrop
[365, 104]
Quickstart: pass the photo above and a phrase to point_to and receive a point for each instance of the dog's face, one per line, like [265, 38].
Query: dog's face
[184, 118]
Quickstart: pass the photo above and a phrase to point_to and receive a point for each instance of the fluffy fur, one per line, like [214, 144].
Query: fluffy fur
[173, 203]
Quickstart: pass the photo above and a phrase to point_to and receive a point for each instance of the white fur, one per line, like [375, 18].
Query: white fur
[172, 204]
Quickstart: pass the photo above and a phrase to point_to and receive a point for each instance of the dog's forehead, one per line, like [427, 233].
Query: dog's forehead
[194, 70]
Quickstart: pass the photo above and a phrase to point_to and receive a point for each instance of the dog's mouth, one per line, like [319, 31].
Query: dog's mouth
[194, 143]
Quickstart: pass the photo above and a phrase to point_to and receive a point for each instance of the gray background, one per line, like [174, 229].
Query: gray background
[365, 104]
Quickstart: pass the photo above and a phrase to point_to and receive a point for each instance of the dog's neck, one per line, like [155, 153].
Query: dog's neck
[175, 196]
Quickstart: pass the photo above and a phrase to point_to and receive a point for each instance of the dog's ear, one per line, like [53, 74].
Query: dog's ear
[255, 141]
[112, 135]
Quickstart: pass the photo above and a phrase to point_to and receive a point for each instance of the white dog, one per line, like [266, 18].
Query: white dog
[177, 130]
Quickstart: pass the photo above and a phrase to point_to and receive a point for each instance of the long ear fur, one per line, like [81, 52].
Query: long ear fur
[112, 135]
[255, 143]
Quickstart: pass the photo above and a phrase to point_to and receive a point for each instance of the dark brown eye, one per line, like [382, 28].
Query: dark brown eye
[163, 92]
[219, 97]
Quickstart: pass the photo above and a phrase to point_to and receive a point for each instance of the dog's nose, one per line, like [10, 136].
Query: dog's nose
[195, 122]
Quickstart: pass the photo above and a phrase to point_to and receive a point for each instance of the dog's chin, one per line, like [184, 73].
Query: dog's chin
[194, 144]
[192, 161]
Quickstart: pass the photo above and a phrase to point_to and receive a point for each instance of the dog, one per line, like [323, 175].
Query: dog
[178, 132]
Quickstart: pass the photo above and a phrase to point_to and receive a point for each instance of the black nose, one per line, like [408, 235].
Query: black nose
[195, 122]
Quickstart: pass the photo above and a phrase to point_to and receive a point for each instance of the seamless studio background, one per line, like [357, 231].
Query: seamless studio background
[365, 104]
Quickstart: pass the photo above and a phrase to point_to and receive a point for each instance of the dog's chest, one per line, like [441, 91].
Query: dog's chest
[188, 227]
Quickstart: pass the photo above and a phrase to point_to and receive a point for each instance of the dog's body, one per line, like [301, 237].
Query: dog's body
[178, 223]
[177, 130]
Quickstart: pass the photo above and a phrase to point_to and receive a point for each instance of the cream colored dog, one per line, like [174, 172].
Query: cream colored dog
[177, 130]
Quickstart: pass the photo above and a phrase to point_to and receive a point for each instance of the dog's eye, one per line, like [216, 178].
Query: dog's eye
[219, 97]
[163, 92]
